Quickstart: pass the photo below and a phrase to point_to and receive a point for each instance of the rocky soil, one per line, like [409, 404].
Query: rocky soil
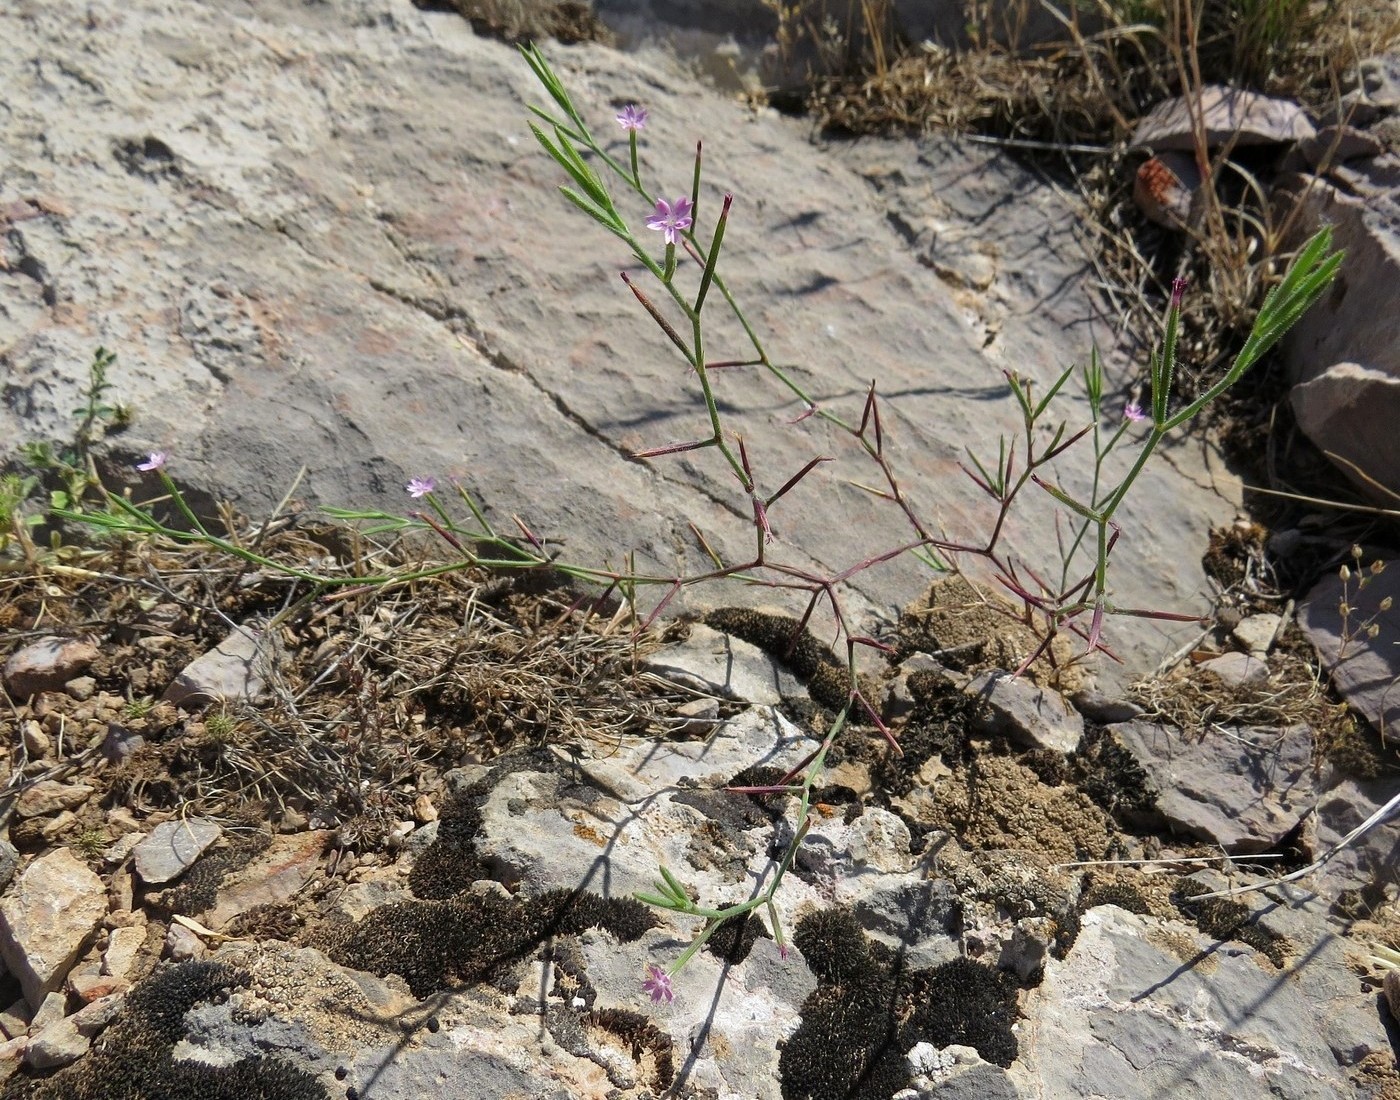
[389, 849]
[384, 844]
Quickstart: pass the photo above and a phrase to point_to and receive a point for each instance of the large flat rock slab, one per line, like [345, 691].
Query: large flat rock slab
[322, 235]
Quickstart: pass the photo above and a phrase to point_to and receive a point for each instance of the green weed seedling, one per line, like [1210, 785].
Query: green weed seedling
[67, 469]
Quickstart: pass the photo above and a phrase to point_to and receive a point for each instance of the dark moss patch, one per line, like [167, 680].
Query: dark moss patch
[1111, 776]
[827, 679]
[734, 939]
[867, 1012]
[450, 864]
[938, 725]
[473, 937]
[132, 1060]
[266, 922]
[643, 1037]
[1223, 919]
[1114, 892]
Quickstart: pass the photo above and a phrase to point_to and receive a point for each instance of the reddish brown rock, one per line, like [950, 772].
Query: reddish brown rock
[46, 665]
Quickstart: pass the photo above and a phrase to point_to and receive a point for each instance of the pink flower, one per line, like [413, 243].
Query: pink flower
[155, 461]
[632, 117]
[658, 985]
[1179, 285]
[1134, 412]
[420, 486]
[671, 218]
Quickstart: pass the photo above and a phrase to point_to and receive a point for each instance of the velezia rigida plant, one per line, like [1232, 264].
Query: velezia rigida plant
[679, 244]
[1057, 597]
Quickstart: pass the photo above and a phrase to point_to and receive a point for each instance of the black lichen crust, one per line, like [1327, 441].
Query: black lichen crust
[1113, 892]
[827, 679]
[473, 937]
[133, 1059]
[868, 1012]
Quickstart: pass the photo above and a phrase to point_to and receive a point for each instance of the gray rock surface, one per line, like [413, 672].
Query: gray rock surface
[232, 672]
[1242, 789]
[326, 264]
[1027, 714]
[1139, 1010]
[719, 664]
[1343, 354]
[1229, 115]
[49, 796]
[172, 848]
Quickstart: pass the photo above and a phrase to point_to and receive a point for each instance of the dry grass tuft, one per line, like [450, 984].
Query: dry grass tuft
[373, 693]
[1064, 84]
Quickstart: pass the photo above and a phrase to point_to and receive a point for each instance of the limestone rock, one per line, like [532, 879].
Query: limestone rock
[1369, 866]
[9, 860]
[1344, 354]
[47, 920]
[46, 665]
[230, 672]
[123, 945]
[273, 877]
[1236, 668]
[242, 316]
[1229, 114]
[182, 945]
[1122, 1017]
[1334, 144]
[1347, 410]
[172, 848]
[1257, 632]
[717, 663]
[59, 1044]
[1029, 715]
[1243, 790]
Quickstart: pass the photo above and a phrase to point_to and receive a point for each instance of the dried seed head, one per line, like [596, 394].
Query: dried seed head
[1386, 603]
[1372, 630]
[1344, 573]
[1377, 566]
[1356, 551]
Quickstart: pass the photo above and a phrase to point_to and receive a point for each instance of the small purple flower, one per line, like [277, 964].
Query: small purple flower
[421, 486]
[671, 218]
[632, 117]
[658, 985]
[155, 461]
[1134, 412]
[1179, 285]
